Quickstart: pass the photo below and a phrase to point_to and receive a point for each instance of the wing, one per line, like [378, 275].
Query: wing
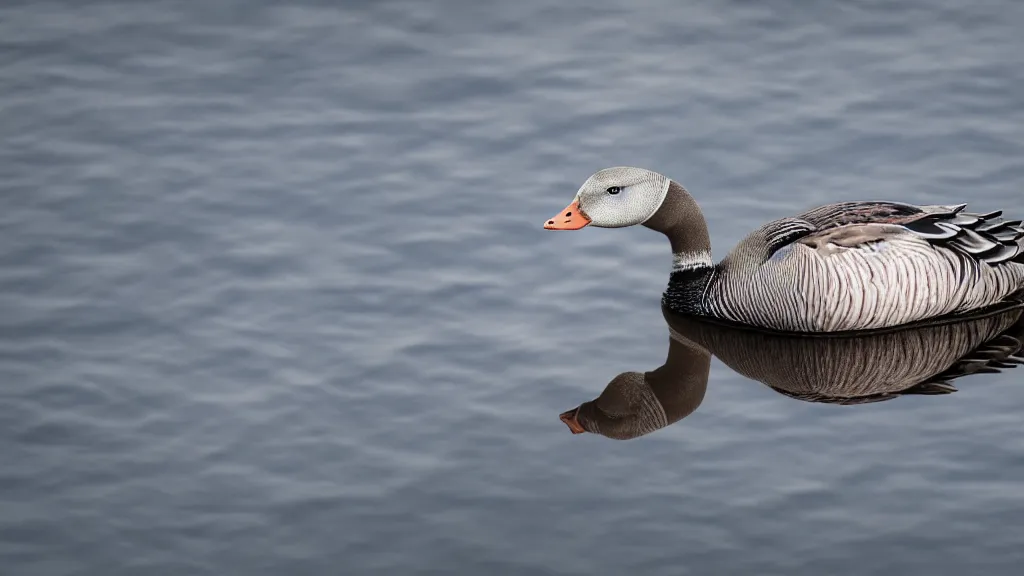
[843, 213]
[982, 237]
[780, 233]
[974, 237]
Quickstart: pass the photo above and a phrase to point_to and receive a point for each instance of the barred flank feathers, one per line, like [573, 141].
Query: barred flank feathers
[860, 266]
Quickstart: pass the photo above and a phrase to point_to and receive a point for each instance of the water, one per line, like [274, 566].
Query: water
[276, 298]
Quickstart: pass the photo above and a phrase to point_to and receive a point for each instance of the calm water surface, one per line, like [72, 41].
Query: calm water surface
[275, 297]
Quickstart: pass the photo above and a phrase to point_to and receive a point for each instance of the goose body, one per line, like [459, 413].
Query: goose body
[840, 267]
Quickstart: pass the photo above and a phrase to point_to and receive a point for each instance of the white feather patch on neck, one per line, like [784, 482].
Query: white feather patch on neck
[664, 193]
[691, 260]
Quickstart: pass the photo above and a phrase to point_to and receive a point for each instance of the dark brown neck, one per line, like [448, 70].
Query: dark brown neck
[680, 218]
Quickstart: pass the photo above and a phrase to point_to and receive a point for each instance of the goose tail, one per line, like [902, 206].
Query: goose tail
[981, 237]
[1003, 352]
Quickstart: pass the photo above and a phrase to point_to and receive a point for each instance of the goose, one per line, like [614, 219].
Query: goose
[840, 267]
[847, 369]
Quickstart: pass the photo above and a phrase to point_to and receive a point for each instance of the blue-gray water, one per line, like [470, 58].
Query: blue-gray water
[275, 297]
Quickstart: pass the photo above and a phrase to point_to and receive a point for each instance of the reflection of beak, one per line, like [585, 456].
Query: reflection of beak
[570, 420]
[568, 219]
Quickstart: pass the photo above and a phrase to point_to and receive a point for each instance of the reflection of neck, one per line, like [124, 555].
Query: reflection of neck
[680, 384]
[679, 217]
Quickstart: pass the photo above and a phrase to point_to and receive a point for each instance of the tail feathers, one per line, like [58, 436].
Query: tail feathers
[981, 237]
[1008, 234]
[1003, 253]
[997, 224]
[944, 210]
[1001, 353]
[930, 388]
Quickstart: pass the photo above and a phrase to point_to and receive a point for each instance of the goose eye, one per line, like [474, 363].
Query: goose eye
[614, 190]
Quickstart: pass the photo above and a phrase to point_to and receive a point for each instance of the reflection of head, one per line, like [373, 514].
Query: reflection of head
[625, 409]
[634, 404]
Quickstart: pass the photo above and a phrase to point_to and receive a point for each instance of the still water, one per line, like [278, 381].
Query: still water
[275, 297]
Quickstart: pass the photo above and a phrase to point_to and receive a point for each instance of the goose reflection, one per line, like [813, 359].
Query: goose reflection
[854, 368]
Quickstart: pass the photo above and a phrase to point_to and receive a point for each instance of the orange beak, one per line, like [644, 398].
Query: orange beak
[568, 219]
[570, 420]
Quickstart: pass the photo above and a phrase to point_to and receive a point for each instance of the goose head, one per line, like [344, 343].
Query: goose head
[626, 196]
[613, 198]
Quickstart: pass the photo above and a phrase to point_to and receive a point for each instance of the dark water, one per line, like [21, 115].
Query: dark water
[276, 299]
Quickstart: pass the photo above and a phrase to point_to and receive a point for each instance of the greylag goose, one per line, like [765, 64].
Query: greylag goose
[851, 368]
[840, 267]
